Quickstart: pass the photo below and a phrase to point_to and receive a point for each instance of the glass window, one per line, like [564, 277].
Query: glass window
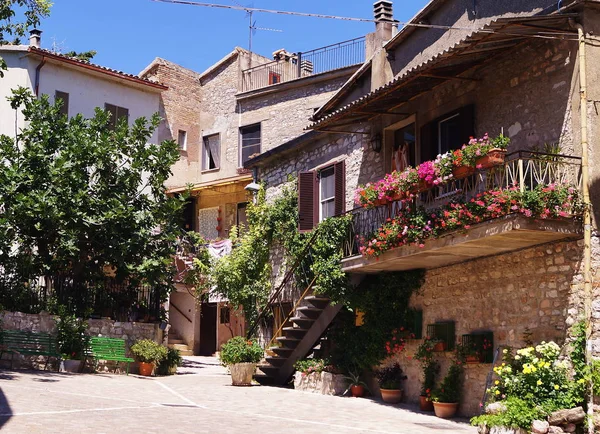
[64, 97]
[182, 140]
[404, 148]
[116, 114]
[212, 151]
[326, 193]
[449, 134]
[249, 142]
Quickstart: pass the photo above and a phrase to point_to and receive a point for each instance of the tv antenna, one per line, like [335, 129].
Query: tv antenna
[252, 24]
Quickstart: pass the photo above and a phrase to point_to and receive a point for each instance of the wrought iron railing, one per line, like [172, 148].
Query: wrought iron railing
[299, 65]
[523, 169]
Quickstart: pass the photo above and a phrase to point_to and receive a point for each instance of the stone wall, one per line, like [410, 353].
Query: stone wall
[323, 383]
[536, 290]
[46, 323]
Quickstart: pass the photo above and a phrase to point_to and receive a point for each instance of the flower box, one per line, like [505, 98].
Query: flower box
[440, 347]
[473, 359]
[494, 157]
[461, 172]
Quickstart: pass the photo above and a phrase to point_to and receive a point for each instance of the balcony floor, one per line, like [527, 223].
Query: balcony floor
[494, 237]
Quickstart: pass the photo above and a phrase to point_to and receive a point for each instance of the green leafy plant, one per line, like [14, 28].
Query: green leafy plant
[148, 351]
[308, 366]
[519, 414]
[240, 350]
[430, 371]
[354, 379]
[172, 359]
[391, 376]
[71, 336]
[450, 390]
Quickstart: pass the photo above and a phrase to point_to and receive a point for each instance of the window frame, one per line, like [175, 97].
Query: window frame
[274, 77]
[182, 147]
[439, 128]
[206, 150]
[65, 106]
[322, 200]
[241, 141]
[114, 120]
[389, 140]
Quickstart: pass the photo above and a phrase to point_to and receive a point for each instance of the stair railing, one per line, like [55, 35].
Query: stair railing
[299, 265]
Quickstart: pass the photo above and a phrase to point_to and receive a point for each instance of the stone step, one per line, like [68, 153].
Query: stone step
[183, 349]
[275, 361]
[301, 322]
[317, 301]
[176, 341]
[288, 342]
[309, 312]
[282, 351]
[294, 332]
[264, 380]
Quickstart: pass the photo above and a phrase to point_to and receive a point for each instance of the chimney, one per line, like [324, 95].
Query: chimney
[384, 12]
[35, 38]
[384, 26]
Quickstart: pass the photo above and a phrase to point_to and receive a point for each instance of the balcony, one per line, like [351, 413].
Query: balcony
[301, 65]
[523, 173]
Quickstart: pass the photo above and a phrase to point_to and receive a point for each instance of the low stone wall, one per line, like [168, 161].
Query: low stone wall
[46, 323]
[324, 383]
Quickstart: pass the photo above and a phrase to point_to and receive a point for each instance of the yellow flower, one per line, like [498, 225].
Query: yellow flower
[539, 382]
[533, 369]
[504, 351]
[556, 387]
[503, 364]
[497, 392]
[497, 382]
[517, 357]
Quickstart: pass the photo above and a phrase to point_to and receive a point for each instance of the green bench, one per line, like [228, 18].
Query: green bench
[29, 344]
[111, 349]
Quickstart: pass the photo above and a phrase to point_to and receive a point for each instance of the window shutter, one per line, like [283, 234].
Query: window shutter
[308, 205]
[340, 188]
[429, 141]
[467, 123]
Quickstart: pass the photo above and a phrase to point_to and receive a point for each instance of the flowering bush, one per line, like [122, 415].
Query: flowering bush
[390, 377]
[240, 350]
[398, 342]
[450, 390]
[414, 225]
[308, 366]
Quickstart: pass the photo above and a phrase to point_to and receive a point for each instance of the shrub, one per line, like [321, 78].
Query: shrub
[451, 388]
[240, 350]
[308, 366]
[72, 339]
[172, 359]
[148, 351]
[390, 377]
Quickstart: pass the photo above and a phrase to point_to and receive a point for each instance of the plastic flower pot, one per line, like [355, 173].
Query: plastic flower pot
[425, 404]
[445, 410]
[357, 390]
[494, 157]
[70, 365]
[242, 373]
[391, 396]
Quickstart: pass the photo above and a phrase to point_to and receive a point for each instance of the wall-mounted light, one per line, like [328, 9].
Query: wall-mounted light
[376, 143]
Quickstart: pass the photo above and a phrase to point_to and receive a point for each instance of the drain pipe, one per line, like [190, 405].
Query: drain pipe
[587, 218]
[37, 75]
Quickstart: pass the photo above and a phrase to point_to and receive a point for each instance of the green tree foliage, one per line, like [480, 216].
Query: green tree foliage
[77, 196]
[17, 17]
[84, 56]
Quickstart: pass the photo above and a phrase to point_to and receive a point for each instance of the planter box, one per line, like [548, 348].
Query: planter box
[493, 158]
[323, 383]
[242, 373]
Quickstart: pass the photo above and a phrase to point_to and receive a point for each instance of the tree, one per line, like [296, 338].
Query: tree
[84, 56]
[32, 10]
[79, 196]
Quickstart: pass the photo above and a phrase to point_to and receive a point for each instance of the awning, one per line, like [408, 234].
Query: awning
[480, 46]
[209, 185]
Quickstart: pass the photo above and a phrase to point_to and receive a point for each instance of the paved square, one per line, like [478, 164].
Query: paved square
[199, 399]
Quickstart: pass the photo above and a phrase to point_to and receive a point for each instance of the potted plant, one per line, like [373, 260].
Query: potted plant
[447, 396]
[468, 353]
[148, 353]
[429, 369]
[355, 385]
[72, 339]
[241, 356]
[168, 366]
[390, 380]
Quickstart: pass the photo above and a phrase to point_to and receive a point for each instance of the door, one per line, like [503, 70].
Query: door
[208, 329]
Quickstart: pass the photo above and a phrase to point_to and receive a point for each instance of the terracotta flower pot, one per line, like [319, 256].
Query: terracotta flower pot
[461, 172]
[241, 373]
[445, 410]
[146, 369]
[472, 359]
[493, 158]
[439, 347]
[357, 391]
[425, 404]
[391, 396]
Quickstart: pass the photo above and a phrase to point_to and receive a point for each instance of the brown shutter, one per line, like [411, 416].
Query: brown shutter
[308, 205]
[340, 188]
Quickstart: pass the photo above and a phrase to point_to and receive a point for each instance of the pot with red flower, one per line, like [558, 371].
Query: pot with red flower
[429, 370]
[241, 356]
[390, 380]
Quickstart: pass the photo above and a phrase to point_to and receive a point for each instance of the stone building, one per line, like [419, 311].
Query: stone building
[507, 67]
[243, 105]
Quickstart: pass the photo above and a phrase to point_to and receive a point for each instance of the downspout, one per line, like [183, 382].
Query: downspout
[38, 70]
[587, 217]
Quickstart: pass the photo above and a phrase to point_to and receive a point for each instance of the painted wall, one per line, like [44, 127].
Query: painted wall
[18, 74]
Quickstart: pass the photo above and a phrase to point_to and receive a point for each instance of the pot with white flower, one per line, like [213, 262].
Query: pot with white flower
[390, 380]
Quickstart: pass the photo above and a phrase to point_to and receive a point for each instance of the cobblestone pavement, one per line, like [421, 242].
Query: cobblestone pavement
[199, 399]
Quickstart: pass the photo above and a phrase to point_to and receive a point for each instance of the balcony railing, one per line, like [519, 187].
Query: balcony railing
[300, 65]
[524, 170]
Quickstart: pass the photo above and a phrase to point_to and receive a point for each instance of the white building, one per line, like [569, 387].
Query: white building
[83, 86]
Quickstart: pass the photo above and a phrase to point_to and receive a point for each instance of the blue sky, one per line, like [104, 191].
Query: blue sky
[129, 34]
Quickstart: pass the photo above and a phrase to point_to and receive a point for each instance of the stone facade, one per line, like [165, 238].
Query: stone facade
[324, 383]
[46, 323]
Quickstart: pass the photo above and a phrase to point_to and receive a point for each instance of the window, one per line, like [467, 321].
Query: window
[404, 150]
[64, 97]
[274, 77]
[326, 193]
[225, 315]
[211, 152]
[321, 194]
[447, 133]
[182, 140]
[249, 142]
[116, 114]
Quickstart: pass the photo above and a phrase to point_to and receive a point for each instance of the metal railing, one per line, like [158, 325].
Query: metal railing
[523, 169]
[299, 65]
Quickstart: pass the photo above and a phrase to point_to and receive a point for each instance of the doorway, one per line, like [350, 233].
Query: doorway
[208, 329]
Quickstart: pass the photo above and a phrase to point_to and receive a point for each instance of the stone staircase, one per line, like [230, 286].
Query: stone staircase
[309, 323]
[177, 343]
